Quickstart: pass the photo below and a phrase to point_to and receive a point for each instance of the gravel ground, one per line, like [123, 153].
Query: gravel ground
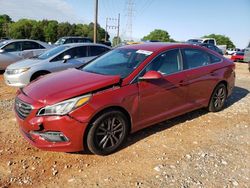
[198, 149]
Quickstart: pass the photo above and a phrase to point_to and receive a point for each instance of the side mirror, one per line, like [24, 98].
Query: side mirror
[2, 50]
[66, 58]
[151, 75]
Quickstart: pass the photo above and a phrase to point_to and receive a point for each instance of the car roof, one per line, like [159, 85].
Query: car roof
[44, 44]
[156, 46]
[75, 37]
[71, 45]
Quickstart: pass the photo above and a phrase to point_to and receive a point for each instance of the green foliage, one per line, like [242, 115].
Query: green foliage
[46, 30]
[221, 40]
[159, 35]
[116, 41]
[5, 20]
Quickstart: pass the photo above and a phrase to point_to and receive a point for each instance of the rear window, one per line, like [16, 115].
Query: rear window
[195, 58]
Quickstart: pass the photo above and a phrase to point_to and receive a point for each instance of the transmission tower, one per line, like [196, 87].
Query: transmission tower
[130, 4]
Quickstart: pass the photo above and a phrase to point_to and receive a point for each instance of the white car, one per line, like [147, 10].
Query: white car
[12, 51]
[56, 59]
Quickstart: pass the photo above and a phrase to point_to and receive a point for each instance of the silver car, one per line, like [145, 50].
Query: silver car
[59, 58]
[14, 50]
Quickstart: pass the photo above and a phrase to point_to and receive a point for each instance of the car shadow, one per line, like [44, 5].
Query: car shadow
[238, 94]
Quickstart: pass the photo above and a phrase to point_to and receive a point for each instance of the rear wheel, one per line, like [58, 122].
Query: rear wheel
[107, 132]
[218, 98]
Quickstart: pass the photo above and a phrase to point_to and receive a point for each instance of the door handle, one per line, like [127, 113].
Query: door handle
[182, 83]
[213, 73]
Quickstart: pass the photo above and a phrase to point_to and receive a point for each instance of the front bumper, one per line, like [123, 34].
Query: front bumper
[52, 133]
[16, 80]
[70, 128]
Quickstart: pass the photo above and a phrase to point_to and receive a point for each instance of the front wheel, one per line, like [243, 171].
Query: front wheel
[218, 98]
[107, 132]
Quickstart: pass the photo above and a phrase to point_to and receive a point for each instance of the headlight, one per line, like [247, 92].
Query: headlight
[64, 107]
[17, 71]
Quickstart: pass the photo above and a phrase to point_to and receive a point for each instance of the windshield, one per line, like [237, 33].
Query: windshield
[3, 43]
[118, 62]
[52, 52]
[60, 41]
[194, 40]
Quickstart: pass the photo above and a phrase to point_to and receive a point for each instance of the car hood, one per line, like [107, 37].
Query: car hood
[59, 86]
[25, 63]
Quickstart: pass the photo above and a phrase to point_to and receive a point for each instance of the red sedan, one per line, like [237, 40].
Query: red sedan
[238, 56]
[127, 89]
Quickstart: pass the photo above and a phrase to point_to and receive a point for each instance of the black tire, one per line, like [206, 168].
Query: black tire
[218, 98]
[37, 75]
[107, 133]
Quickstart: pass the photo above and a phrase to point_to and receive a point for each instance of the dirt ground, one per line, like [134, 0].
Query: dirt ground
[198, 149]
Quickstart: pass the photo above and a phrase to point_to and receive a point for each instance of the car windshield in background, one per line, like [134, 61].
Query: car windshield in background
[118, 62]
[2, 43]
[194, 41]
[52, 52]
[60, 41]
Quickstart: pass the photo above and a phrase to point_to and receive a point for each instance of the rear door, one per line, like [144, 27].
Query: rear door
[31, 49]
[12, 53]
[201, 71]
[163, 98]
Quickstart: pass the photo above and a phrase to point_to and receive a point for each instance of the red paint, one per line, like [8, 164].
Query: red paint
[147, 102]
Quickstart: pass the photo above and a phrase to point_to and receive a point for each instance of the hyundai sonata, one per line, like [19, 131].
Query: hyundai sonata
[127, 89]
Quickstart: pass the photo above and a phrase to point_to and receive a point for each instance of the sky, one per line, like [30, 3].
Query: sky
[182, 19]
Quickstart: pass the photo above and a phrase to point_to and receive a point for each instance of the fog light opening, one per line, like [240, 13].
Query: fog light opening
[51, 136]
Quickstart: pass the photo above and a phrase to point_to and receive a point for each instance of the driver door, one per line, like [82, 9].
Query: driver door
[77, 59]
[164, 98]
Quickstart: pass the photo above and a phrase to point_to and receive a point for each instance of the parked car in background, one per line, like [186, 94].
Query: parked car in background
[123, 91]
[14, 50]
[210, 46]
[231, 51]
[59, 58]
[208, 41]
[73, 39]
[238, 56]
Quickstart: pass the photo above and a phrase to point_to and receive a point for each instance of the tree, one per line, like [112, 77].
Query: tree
[5, 20]
[64, 29]
[221, 40]
[50, 31]
[37, 31]
[159, 35]
[21, 29]
[116, 41]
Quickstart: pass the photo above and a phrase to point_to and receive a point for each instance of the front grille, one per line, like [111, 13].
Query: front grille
[22, 109]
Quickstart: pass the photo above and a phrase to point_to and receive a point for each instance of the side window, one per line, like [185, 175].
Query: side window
[29, 45]
[13, 47]
[97, 50]
[70, 52]
[67, 41]
[195, 58]
[80, 52]
[214, 59]
[167, 63]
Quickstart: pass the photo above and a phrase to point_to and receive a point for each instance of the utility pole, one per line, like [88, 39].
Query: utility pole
[118, 29]
[106, 30]
[96, 21]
